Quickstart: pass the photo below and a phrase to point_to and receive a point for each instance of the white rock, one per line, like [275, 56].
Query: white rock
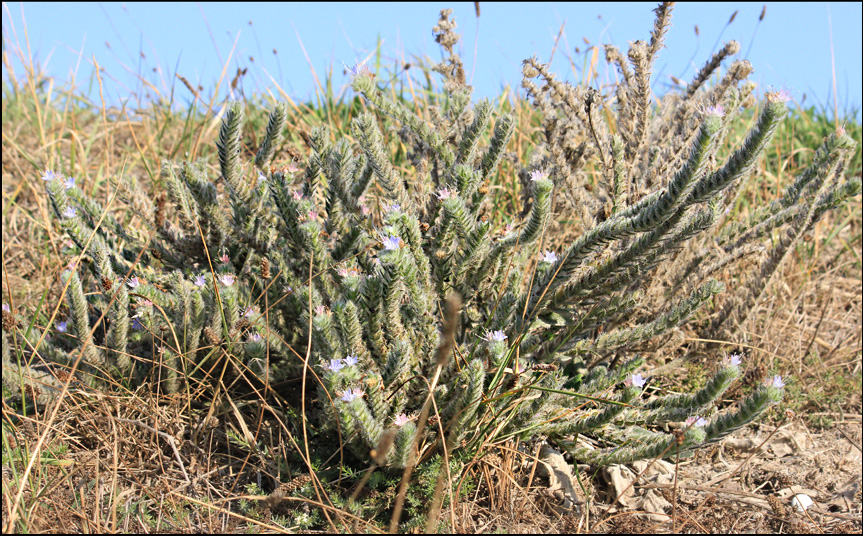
[802, 502]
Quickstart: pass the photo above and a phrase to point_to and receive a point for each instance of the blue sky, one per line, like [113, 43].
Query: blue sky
[790, 48]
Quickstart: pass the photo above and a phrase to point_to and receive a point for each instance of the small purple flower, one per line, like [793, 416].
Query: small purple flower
[352, 394]
[696, 421]
[261, 178]
[776, 382]
[538, 175]
[292, 167]
[732, 360]
[391, 242]
[549, 257]
[401, 420]
[255, 337]
[321, 310]
[70, 213]
[783, 95]
[61, 326]
[359, 69]
[249, 312]
[144, 303]
[136, 324]
[297, 195]
[313, 214]
[715, 111]
[364, 210]
[227, 279]
[49, 176]
[445, 193]
[200, 281]
[637, 380]
[395, 207]
[133, 282]
[351, 360]
[6, 308]
[496, 335]
[335, 365]
[69, 183]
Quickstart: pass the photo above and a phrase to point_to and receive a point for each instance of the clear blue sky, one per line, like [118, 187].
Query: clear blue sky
[791, 47]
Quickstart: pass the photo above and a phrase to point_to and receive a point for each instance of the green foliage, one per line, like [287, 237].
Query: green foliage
[353, 256]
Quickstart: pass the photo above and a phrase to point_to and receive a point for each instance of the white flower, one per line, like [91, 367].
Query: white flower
[637, 380]
[200, 281]
[776, 382]
[70, 212]
[334, 365]
[351, 360]
[227, 279]
[133, 282]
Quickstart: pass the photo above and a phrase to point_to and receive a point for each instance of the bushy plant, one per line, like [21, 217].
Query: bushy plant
[388, 283]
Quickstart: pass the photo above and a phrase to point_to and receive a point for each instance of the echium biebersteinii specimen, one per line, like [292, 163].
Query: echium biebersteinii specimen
[357, 256]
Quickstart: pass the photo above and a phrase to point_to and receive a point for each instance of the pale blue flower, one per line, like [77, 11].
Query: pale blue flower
[200, 281]
[227, 279]
[538, 175]
[255, 337]
[49, 176]
[777, 382]
[261, 178]
[637, 380]
[70, 213]
[61, 326]
[351, 360]
[136, 324]
[496, 335]
[715, 111]
[549, 257]
[133, 282]
[69, 183]
[352, 394]
[360, 68]
[696, 421]
[392, 242]
[395, 207]
[732, 360]
[335, 365]
[6, 308]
